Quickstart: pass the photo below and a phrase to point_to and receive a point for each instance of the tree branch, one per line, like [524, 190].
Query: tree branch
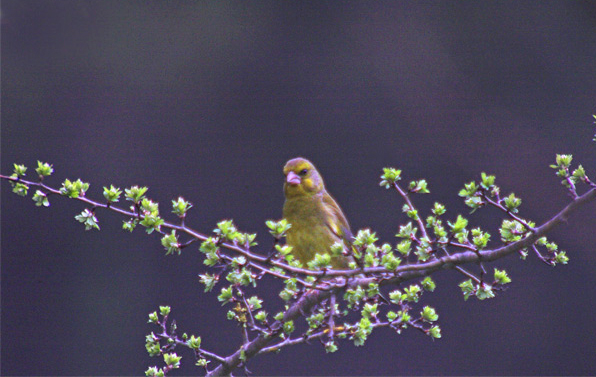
[402, 274]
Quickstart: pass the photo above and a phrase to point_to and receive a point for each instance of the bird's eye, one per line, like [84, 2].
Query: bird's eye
[303, 172]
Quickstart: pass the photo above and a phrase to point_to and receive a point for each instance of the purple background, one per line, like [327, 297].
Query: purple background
[209, 99]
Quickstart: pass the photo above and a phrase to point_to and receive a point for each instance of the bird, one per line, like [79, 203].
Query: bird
[317, 221]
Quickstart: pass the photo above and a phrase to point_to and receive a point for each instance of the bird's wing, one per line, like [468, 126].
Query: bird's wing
[337, 221]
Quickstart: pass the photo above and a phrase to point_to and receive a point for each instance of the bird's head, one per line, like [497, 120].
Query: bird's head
[302, 178]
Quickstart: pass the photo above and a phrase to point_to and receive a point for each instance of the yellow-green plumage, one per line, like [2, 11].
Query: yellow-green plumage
[317, 221]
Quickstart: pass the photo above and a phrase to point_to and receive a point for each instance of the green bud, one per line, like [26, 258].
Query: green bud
[41, 199]
[467, 288]
[428, 284]
[439, 209]
[330, 346]
[164, 310]
[254, 303]
[412, 293]
[202, 362]
[135, 194]
[561, 257]
[88, 219]
[512, 202]
[172, 360]
[365, 238]
[112, 194]
[389, 177]
[501, 277]
[261, 316]
[208, 280]
[170, 243]
[278, 229]
[44, 169]
[468, 190]
[407, 231]
[488, 181]
[391, 316]
[396, 297]
[435, 332]
[419, 187]
[370, 311]
[226, 295]
[429, 314]
[194, 342]
[180, 206]
[19, 170]
[459, 225]
[320, 261]
[74, 189]
[484, 291]
[153, 318]
[288, 327]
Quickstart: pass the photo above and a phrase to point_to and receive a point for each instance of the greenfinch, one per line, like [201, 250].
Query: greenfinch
[317, 220]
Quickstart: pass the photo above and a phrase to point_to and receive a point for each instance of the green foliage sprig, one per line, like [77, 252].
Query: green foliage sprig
[383, 288]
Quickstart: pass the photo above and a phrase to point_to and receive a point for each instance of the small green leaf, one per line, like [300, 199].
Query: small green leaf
[439, 209]
[487, 181]
[501, 277]
[180, 206]
[396, 297]
[389, 177]
[278, 229]
[330, 346]
[261, 316]
[404, 247]
[44, 169]
[468, 190]
[435, 332]
[19, 188]
[74, 189]
[164, 310]
[412, 293]
[19, 170]
[429, 314]
[226, 229]
[88, 218]
[419, 187]
[226, 295]
[153, 318]
[288, 327]
[459, 225]
[370, 311]
[561, 257]
[320, 261]
[428, 284]
[407, 231]
[112, 194]
[512, 202]
[365, 238]
[41, 199]
[129, 225]
[170, 243]
[135, 194]
[484, 291]
[208, 280]
[172, 360]
[467, 288]
[194, 342]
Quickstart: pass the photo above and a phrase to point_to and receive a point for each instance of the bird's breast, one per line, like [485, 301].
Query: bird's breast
[310, 233]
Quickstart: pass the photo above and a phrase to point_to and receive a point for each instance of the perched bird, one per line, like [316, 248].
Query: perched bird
[317, 221]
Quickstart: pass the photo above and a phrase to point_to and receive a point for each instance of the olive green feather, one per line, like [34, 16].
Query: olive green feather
[317, 220]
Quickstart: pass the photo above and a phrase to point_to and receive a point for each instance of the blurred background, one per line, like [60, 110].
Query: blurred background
[209, 99]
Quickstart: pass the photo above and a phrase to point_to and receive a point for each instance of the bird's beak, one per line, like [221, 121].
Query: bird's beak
[293, 179]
